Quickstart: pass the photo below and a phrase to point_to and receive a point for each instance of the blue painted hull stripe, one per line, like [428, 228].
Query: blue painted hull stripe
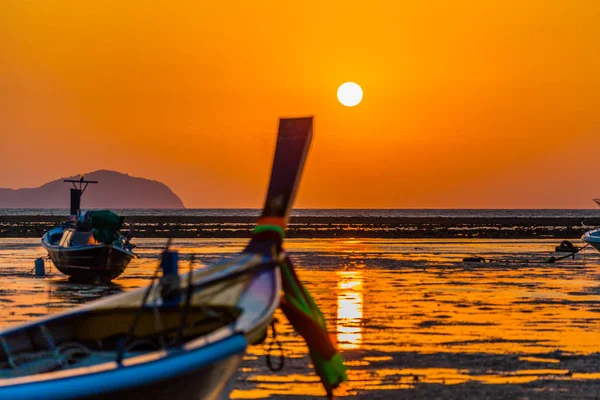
[129, 377]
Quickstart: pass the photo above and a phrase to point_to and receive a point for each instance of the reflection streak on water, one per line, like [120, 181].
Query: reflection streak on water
[349, 309]
[393, 305]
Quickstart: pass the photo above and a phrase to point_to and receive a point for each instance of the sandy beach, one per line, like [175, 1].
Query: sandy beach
[411, 319]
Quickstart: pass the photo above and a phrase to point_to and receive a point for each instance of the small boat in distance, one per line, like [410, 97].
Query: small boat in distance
[89, 247]
[593, 237]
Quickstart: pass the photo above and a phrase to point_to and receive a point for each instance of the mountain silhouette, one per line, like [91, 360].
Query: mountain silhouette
[114, 190]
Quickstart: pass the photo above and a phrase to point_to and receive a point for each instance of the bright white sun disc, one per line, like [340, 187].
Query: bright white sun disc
[349, 94]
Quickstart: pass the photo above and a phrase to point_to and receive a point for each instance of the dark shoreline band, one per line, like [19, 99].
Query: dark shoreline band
[326, 227]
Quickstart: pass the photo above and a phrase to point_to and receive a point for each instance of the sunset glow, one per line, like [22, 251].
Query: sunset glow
[470, 103]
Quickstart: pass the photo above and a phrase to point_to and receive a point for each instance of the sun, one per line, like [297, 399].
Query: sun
[350, 94]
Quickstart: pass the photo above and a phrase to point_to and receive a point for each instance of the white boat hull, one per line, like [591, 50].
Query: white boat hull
[592, 238]
[200, 368]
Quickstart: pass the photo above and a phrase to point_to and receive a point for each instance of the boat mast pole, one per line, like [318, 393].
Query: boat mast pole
[76, 194]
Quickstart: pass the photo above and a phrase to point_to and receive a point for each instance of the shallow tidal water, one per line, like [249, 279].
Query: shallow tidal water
[411, 319]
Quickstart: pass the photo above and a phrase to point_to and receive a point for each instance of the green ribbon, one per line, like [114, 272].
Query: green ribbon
[265, 228]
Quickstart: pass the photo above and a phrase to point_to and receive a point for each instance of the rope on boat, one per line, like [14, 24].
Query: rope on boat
[274, 342]
[571, 254]
[62, 355]
[188, 300]
[158, 324]
[136, 318]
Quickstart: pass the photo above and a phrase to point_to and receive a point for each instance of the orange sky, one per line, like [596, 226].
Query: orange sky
[467, 103]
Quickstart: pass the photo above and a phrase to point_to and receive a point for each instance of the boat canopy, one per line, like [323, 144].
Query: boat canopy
[105, 224]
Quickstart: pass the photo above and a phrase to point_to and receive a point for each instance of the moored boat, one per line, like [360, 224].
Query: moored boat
[593, 237]
[89, 246]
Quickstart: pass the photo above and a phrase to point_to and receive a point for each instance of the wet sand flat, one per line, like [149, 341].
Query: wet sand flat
[411, 319]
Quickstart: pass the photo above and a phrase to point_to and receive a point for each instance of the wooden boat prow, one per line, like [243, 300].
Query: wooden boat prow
[183, 340]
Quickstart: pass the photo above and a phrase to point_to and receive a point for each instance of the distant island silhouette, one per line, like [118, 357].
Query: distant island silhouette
[114, 190]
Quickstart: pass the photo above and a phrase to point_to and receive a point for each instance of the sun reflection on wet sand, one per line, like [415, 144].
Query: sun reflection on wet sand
[404, 312]
[349, 309]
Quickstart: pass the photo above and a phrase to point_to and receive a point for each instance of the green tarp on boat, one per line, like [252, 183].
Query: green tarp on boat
[106, 225]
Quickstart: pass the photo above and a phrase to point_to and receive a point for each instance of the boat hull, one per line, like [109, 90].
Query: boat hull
[211, 382]
[100, 263]
[206, 373]
[202, 368]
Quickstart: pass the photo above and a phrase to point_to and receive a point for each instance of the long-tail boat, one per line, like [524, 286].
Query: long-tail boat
[183, 336]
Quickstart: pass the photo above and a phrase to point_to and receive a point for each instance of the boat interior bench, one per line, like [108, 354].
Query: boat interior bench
[96, 336]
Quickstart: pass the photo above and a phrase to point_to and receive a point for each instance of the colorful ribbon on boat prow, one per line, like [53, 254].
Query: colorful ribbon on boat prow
[271, 224]
[304, 315]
